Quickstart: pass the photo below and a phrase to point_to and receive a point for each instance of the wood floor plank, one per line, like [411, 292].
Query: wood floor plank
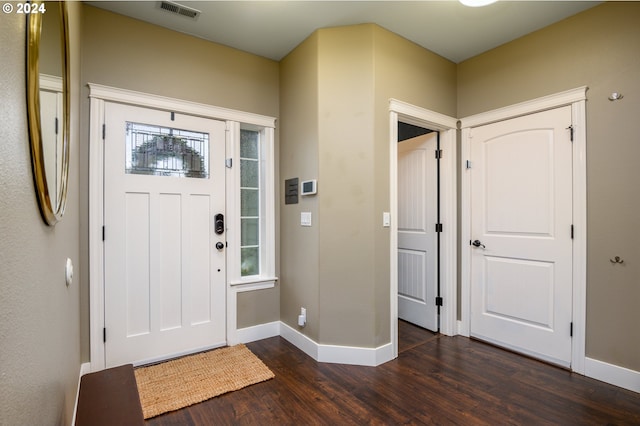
[435, 380]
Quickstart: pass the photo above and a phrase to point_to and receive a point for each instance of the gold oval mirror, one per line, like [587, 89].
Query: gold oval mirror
[48, 104]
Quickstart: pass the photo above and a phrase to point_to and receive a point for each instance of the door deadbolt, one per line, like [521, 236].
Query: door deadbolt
[219, 223]
[219, 245]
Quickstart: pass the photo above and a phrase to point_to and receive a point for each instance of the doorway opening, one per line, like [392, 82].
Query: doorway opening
[439, 132]
[419, 226]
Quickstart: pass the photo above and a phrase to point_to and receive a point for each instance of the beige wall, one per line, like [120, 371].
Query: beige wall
[39, 314]
[410, 73]
[298, 127]
[599, 49]
[130, 54]
[345, 186]
[335, 89]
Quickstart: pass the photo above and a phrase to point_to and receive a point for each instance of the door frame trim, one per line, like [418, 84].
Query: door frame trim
[447, 126]
[576, 98]
[99, 95]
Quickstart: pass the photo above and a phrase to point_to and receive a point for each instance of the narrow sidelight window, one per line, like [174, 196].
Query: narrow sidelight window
[250, 195]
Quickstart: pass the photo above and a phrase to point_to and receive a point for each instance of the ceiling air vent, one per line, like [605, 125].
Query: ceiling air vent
[179, 9]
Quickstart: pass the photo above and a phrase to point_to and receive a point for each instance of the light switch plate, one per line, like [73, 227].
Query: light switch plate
[305, 218]
[386, 219]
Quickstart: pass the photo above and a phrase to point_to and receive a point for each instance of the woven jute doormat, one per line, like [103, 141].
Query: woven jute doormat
[195, 378]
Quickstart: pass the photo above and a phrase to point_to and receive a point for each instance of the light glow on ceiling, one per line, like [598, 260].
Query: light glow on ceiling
[477, 3]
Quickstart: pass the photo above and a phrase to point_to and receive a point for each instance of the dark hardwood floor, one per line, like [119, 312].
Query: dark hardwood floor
[435, 380]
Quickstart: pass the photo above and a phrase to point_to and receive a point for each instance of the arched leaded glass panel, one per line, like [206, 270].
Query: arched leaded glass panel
[162, 151]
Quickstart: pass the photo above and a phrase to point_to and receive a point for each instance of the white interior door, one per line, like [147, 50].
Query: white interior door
[164, 278]
[521, 226]
[417, 215]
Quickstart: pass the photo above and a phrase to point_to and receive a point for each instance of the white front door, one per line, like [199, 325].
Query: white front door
[417, 216]
[521, 230]
[164, 277]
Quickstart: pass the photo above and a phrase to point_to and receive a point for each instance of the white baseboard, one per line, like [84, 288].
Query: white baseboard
[599, 370]
[612, 374]
[461, 329]
[299, 340]
[258, 332]
[355, 355]
[337, 354]
[84, 369]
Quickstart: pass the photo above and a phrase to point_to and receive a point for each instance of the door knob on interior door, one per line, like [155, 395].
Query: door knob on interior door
[478, 243]
[219, 245]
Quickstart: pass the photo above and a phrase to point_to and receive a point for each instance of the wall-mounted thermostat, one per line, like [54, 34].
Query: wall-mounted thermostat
[309, 187]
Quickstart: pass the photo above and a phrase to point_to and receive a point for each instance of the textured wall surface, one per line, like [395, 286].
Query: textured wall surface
[39, 314]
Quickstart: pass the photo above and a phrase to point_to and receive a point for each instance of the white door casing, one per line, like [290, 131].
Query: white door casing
[521, 213]
[576, 99]
[164, 278]
[51, 111]
[417, 216]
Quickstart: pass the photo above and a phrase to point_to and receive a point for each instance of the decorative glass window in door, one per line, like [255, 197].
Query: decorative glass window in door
[249, 202]
[162, 151]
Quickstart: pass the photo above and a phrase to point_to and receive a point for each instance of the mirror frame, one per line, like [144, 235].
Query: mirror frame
[51, 206]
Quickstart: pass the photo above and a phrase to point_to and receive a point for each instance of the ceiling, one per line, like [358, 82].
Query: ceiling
[273, 28]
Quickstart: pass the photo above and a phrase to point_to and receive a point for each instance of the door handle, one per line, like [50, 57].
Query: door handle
[478, 243]
[220, 245]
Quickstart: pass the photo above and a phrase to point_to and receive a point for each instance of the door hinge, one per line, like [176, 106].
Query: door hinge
[468, 164]
[104, 335]
[438, 301]
[572, 232]
[571, 329]
[56, 124]
[103, 233]
[438, 227]
[228, 163]
[104, 131]
[570, 128]
[438, 154]
[173, 116]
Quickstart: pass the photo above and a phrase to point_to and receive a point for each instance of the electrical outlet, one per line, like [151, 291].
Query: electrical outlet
[302, 318]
